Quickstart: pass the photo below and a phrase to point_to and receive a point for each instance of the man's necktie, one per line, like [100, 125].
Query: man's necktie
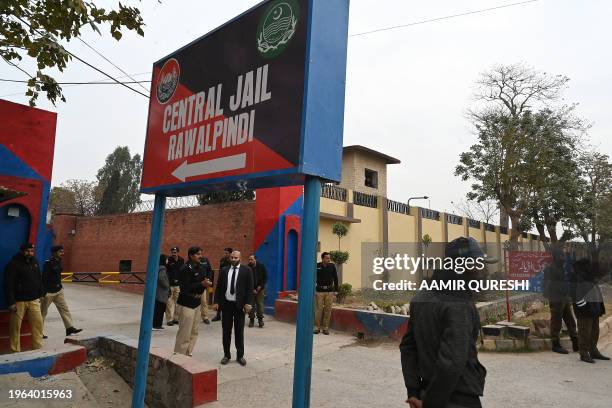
[233, 285]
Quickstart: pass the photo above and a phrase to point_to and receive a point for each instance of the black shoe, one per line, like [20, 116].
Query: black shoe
[175, 322]
[598, 356]
[206, 321]
[71, 330]
[557, 348]
[575, 344]
[261, 324]
[316, 331]
[45, 337]
[587, 359]
[225, 360]
[326, 332]
[251, 322]
[170, 323]
[216, 318]
[158, 328]
[241, 361]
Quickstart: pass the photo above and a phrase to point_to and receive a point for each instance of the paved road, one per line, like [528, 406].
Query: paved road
[345, 373]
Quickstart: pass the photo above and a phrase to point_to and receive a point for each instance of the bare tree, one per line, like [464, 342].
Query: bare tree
[486, 211]
[75, 197]
[516, 88]
[508, 123]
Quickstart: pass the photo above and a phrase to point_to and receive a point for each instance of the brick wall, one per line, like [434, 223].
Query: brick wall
[99, 243]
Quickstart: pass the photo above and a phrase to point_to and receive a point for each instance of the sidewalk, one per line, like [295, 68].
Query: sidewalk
[344, 374]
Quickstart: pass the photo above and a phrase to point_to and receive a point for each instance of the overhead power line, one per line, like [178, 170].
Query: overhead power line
[113, 64]
[75, 84]
[78, 83]
[82, 60]
[442, 18]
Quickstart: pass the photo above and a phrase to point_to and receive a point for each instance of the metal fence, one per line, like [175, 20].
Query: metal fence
[333, 192]
[108, 278]
[365, 200]
[473, 223]
[171, 203]
[396, 206]
[454, 219]
[430, 214]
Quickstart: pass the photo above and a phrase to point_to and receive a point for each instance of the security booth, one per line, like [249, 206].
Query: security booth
[257, 103]
[27, 142]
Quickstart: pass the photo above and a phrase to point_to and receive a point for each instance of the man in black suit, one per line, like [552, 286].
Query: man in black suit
[234, 296]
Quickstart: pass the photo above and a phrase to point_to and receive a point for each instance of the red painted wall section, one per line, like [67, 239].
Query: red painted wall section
[271, 204]
[31, 201]
[30, 134]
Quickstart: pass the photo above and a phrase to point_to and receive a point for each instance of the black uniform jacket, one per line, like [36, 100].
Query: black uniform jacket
[438, 352]
[52, 275]
[190, 280]
[22, 280]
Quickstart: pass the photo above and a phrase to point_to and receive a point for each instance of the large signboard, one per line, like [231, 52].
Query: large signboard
[228, 110]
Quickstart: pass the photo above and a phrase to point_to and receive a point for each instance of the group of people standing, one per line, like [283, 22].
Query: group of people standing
[30, 293]
[185, 288]
[573, 290]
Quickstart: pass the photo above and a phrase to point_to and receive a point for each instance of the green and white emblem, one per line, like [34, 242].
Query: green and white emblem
[277, 27]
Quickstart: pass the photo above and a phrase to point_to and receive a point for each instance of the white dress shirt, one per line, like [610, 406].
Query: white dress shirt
[233, 270]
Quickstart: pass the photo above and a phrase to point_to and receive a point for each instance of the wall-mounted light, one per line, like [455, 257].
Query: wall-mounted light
[13, 211]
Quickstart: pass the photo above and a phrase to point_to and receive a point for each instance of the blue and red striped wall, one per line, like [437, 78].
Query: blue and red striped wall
[27, 143]
[278, 214]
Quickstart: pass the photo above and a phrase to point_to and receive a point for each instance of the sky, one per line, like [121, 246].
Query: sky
[407, 89]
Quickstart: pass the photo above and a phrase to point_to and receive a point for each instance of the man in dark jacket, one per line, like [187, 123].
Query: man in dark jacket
[173, 266]
[194, 280]
[24, 288]
[557, 291]
[326, 290]
[234, 296]
[438, 353]
[54, 291]
[589, 307]
[260, 277]
[225, 261]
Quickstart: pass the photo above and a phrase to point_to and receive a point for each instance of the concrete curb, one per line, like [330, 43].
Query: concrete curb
[535, 343]
[173, 380]
[44, 362]
[358, 322]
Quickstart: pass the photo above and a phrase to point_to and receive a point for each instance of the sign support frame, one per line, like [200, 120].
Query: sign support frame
[146, 319]
[306, 293]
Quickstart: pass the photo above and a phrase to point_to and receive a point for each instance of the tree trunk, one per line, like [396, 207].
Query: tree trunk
[503, 216]
[542, 232]
[514, 232]
[552, 233]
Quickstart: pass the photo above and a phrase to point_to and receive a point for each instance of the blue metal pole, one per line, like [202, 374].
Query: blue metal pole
[305, 314]
[146, 319]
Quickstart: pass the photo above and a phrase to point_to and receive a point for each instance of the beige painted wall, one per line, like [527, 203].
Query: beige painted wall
[455, 231]
[476, 234]
[402, 227]
[434, 229]
[333, 206]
